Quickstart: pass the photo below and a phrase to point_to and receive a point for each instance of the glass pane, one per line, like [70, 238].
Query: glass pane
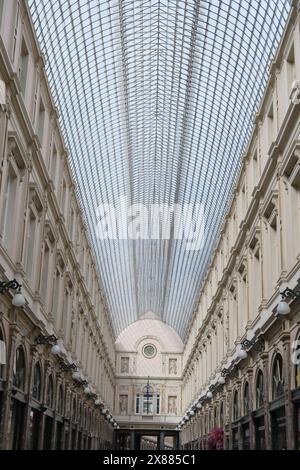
[156, 102]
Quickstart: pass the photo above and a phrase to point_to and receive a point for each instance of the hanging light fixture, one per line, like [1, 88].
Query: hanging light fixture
[221, 380]
[283, 308]
[55, 350]
[242, 354]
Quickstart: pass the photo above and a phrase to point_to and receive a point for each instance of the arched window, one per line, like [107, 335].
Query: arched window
[84, 419]
[60, 402]
[2, 354]
[50, 392]
[87, 420]
[259, 389]
[296, 354]
[236, 413]
[211, 419]
[37, 382]
[277, 377]
[19, 369]
[221, 413]
[246, 399]
[74, 409]
[80, 415]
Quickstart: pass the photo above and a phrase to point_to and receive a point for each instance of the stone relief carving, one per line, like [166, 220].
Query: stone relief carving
[172, 366]
[172, 405]
[124, 365]
[123, 404]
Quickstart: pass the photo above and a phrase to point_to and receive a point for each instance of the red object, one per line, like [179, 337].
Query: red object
[215, 439]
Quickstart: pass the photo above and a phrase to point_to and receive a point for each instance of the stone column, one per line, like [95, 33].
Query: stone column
[177, 444]
[161, 441]
[251, 405]
[132, 439]
[267, 417]
[8, 386]
[27, 436]
[287, 363]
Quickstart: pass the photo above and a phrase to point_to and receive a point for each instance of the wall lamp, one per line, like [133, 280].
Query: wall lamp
[283, 307]
[48, 339]
[257, 344]
[77, 377]
[218, 386]
[65, 367]
[44, 339]
[18, 299]
[232, 372]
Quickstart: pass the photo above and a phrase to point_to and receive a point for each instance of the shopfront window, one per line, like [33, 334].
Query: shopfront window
[235, 439]
[2, 354]
[260, 438]
[35, 418]
[278, 429]
[297, 427]
[246, 436]
[297, 366]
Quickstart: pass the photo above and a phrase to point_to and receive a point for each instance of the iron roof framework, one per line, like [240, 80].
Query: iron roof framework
[156, 99]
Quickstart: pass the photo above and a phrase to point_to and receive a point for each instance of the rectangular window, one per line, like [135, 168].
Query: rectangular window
[9, 208]
[23, 67]
[71, 223]
[157, 404]
[16, 31]
[255, 169]
[290, 63]
[53, 165]
[1, 11]
[147, 404]
[41, 121]
[137, 404]
[55, 297]
[63, 197]
[45, 270]
[270, 118]
[30, 243]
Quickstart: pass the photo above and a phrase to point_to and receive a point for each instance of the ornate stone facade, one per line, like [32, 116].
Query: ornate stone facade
[257, 257]
[44, 245]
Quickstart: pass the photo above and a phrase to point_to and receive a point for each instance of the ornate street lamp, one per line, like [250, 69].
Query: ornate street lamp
[283, 307]
[66, 366]
[18, 299]
[44, 339]
[257, 344]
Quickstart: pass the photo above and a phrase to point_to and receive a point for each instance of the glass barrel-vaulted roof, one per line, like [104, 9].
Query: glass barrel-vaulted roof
[156, 99]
